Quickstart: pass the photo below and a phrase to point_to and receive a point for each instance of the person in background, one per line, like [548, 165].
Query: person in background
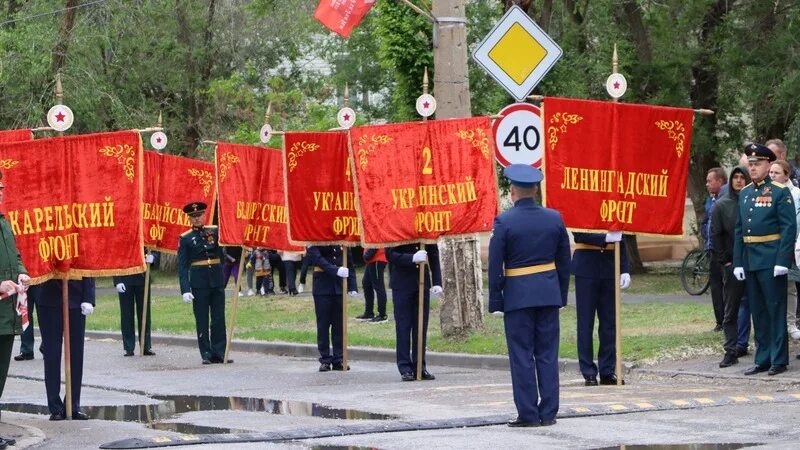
[230, 265]
[291, 262]
[373, 284]
[130, 289]
[248, 267]
[716, 179]
[277, 266]
[779, 171]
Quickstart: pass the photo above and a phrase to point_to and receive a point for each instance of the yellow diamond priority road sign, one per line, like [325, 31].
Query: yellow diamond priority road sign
[517, 53]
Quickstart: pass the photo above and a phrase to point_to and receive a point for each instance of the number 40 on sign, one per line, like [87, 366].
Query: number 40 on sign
[518, 135]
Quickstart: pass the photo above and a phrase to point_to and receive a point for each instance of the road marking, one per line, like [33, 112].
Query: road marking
[705, 401]
[740, 399]
[765, 397]
[645, 405]
[618, 407]
[581, 409]
[680, 402]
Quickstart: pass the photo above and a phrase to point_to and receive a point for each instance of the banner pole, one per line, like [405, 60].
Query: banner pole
[344, 311]
[67, 353]
[235, 306]
[420, 307]
[145, 305]
[617, 289]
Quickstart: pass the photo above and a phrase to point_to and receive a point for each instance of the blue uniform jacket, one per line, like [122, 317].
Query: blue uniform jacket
[48, 294]
[597, 264]
[329, 259]
[404, 273]
[765, 209]
[200, 245]
[528, 235]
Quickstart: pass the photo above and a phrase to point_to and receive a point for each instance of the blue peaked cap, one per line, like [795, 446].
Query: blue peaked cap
[523, 175]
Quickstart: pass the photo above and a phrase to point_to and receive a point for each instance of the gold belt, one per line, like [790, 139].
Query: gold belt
[519, 271]
[208, 262]
[318, 269]
[758, 239]
[579, 246]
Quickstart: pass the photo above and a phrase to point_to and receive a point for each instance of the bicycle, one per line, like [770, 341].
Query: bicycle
[696, 271]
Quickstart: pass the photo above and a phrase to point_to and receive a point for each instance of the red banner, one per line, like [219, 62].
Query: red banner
[252, 204]
[319, 189]
[170, 182]
[16, 135]
[74, 204]
[341, 16]
[418, 181]
[616, 166]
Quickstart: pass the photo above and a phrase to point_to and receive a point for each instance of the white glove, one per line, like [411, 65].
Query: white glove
[343, 272]
[87, 309]
[148, 258]
[436, 291]
[420, 257]
[8, 287]
[22, 299]
[187, 298]
[354, 294]
[614, 236]
[738, 272]
[121, 288]
[780, 270]
[624, 280]
[301, 288]
[24, 280]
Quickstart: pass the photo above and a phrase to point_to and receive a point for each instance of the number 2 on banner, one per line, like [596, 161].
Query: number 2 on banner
[426, 154]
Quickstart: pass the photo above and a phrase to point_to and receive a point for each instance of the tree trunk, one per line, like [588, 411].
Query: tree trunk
[59, 54]
[461, 308]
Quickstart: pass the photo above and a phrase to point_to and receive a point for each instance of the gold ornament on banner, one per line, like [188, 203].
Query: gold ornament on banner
[125, 155]
[205, 179]
[558, 124]
[676, 131]
[371, 143]
[299, 149]
[477, 138]
[8, 163]
[226, 161]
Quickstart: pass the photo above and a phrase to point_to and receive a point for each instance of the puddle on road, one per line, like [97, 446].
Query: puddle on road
[171, 405]
[680, 447]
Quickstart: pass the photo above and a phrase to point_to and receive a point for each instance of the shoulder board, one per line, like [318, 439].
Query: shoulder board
[748, 185]
[213, 227]
[781, 185]
[185, 233]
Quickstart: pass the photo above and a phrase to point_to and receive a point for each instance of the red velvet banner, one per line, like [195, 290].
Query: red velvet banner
[16, 135]
[170, 182]
[418, 181]
[252, 204]
[319, 189]
[616, 166]
[341, 16]
[74, 204]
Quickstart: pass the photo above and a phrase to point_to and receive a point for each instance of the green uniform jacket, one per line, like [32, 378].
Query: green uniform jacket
[197, 246]
[10, 268]
[765, 209]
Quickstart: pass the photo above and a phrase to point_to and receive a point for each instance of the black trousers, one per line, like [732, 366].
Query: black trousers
[290, 267]
[134, 295]
[6, 347]
[717, 300]
[328, 309]
[210, 301]
[373, 285]
[733, 291]
[51, 326]
[406, 323]
[26, 338]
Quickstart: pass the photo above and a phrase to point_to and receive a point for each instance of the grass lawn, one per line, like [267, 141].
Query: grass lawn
[651, 331]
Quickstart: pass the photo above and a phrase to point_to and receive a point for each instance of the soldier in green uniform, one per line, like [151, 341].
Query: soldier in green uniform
[763, 249]
[202, 284]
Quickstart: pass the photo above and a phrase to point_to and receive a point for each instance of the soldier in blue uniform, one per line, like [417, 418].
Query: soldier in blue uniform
[404, 282]
[202, 284]
[48, 298]
[130, 289]
[593, 267]
[327, 291]
[763, 249]
[528, 281]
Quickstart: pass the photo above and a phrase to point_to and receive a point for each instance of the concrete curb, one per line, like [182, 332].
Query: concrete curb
[295, 350]
[31, 437]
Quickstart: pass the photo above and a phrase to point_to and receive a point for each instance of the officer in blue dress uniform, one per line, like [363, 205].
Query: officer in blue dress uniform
[48, 298]
[130, 289]
[593, 268]
[202, 283]
[404, 282]
[327, 292]
[763, 249]
[528, 281]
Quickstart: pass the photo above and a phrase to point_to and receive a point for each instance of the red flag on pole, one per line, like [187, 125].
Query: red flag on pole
[341, 16]
[16, 135]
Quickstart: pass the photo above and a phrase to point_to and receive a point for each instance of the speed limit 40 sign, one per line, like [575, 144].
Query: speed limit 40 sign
[518, 135]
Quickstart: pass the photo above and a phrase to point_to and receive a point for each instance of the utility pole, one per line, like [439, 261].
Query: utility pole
[461, 308]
